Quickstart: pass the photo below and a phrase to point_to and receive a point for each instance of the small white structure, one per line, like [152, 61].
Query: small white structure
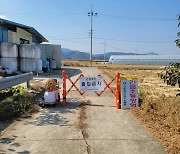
[50, 97]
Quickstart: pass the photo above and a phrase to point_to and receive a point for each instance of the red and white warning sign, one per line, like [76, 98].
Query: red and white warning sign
[129, 93]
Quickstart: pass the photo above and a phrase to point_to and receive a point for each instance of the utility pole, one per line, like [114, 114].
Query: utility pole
[104, 52]
[135, 51]
[91, 14]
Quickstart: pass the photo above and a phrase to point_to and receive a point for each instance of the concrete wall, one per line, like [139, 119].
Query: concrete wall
[51, 51]
[14, 37]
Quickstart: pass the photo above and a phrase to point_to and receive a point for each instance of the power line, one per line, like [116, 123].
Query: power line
[126, 50]
[127, 8]
[117, 48]
[67, 7]
[56, 4]
[40, 13]
[70, 34]
[135, 18]
[71, 41]
[82, 4]
[131, 40]
[135, 35]
[68, 38]
[75, 15]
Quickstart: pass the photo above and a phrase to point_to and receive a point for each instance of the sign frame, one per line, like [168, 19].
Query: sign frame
[129, 92]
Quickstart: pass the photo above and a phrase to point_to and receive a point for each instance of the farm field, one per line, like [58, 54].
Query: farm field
[160, 107]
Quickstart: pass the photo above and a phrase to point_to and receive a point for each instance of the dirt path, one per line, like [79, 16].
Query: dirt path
[88, 124]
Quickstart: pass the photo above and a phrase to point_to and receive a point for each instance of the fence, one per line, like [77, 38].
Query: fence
[116, 93]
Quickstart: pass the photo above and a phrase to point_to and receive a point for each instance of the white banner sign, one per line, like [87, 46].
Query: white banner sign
[93, 83]
[129, 94]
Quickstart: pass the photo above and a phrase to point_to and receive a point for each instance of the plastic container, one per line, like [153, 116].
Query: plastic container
[53, 64]
[38, 65]
[27, 51]
[8, 50]
[10, 64]
[27, 65]
[37, 53]
[43, 54]
[45, 65]
[50, 97]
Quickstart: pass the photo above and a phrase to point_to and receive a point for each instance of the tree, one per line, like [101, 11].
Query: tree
[171, 74]
[178, 34]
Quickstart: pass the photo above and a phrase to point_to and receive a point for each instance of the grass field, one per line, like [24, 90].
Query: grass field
[160, 108]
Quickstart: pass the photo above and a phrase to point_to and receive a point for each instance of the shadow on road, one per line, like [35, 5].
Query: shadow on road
[46, 116]
[58, 73]
[12, 145]
[54, 115]
[4, 125]
[72, 71]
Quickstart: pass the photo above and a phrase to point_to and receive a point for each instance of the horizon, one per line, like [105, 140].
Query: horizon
[124, 26]
[118, 51]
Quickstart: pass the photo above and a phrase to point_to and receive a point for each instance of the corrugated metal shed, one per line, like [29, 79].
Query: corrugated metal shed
[144, 59]
[12, 26]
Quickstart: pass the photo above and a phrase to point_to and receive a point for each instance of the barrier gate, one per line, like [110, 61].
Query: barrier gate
[116, 92]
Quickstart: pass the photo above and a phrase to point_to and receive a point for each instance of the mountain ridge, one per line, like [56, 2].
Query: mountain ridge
[68, 54]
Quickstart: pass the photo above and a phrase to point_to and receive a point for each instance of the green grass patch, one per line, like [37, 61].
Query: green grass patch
[15, 102]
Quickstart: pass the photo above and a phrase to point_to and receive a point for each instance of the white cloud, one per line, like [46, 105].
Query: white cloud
[3, 16]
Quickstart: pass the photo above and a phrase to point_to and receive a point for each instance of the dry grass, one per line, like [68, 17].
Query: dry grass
[75, 63]
[161, 116]
[81, 63]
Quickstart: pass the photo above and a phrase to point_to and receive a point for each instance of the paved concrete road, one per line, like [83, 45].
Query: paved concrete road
[88, 124]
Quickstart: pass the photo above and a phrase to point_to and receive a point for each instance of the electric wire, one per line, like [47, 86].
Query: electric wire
[65, 13]
[68, 40]
[141, 41]
[135, 18]
[67, 10]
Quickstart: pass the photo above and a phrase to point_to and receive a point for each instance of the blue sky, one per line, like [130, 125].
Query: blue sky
[124, 25]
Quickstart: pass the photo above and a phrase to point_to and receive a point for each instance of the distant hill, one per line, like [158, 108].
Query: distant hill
[74, 54]
[68, 54]
[151, 53]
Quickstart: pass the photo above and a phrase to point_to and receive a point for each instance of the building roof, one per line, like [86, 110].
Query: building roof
[143, 57]
[12, 25]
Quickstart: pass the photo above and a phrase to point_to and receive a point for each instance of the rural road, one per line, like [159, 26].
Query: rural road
[87, 125]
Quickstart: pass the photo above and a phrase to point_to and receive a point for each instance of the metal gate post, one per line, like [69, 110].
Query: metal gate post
[118, 102]
[64, 88]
